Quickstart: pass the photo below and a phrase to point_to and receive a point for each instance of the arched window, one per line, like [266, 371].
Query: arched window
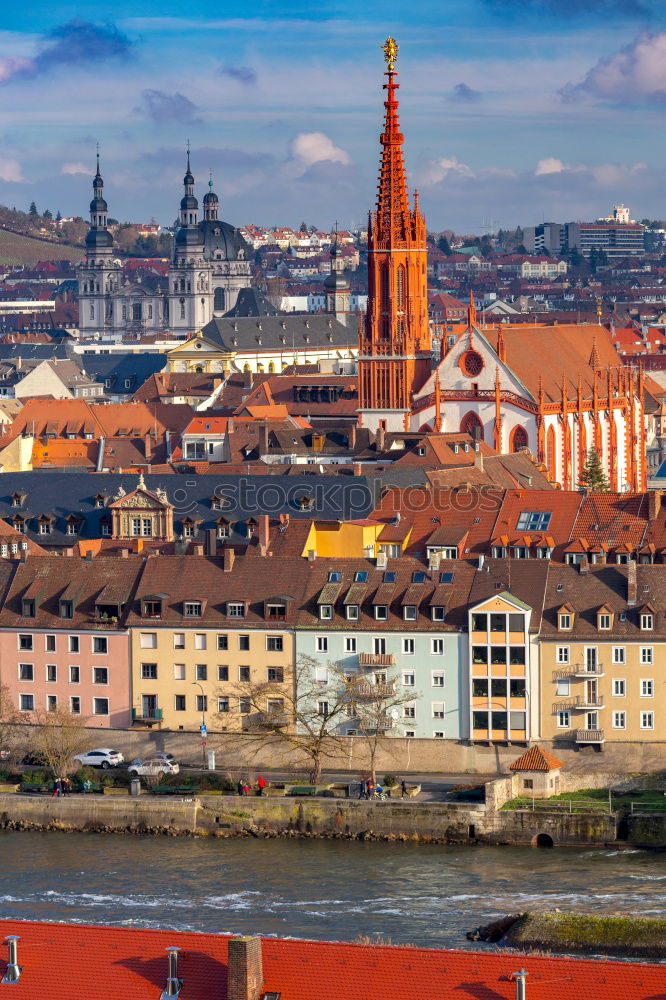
[471, 424]
[271, 366]
[384, 288]
[518, 438]
[551, 452]
[218, 304]
[92, 311]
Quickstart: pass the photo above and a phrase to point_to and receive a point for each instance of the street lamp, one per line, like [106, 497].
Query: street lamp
[203, 722]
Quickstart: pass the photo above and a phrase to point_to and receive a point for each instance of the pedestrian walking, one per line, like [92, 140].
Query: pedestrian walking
[370, 788]
[403, 788]
[246, 789]
[240, 786]
[56, 788]
[262, 784]
[66, 786]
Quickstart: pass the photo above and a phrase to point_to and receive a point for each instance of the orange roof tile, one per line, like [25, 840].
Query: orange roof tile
[536, 759]
[56, 961]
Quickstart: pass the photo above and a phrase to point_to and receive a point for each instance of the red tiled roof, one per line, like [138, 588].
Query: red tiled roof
[536, 759]
[57, 962]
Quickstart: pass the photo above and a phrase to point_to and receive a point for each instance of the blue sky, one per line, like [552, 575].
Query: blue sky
[513, 110]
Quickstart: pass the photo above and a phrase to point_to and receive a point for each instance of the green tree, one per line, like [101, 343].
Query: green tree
[32, 211]
[592, 476]
[58, 216]
[444, 245]
[47, 214]
[521, 248]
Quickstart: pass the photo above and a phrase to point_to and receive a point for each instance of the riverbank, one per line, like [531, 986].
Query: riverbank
[624, 934]
[341, 819]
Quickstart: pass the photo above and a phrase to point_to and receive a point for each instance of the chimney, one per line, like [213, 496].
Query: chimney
[379, 439]
[13, 970]
[482, 559]
[312, 555]
[230, 425]
[89, 555]
[245, 977]
[263, 439]
[124, 553]
[434, 560]
[521, 986]
[382, 559]
[173, 983]
[229, 556]
[632, 587]
[198, 549]
[263, 529]
[211, 541]
[147, 447]
[352, 437]
[358, 469]
[654, 503]
[584, 566]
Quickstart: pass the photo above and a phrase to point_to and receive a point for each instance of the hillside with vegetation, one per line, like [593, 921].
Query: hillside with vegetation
[18, 249]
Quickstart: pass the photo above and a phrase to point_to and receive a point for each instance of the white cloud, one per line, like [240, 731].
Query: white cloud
[636, 72]
[71, 169]
[549, 165]
[10, 171]
[438, 170]
[11, 65]
[315, 147]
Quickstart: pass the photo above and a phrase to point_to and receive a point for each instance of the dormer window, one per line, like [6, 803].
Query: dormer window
[151, 608]
[17, 499]
[521, 552]
[499, 552]
[193, 609]
[28, 607]
[564, 621]
[72, 527]
[44, 527]
[409, 612]
[66, 609]
[604, 621]
[276, 611]
[325, 612]
[235, 609]
[438, 613]
[352, 612]
[381, 612]
[99, 500]
[647, 621]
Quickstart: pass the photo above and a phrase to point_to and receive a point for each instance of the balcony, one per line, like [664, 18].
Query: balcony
[150, 718]
[578, 671]
[589, 736]
[579, 703]
[271, 720]
[376, 660]
[365, 689]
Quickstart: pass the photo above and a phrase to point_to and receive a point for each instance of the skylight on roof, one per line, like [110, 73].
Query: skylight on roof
[335, 576]
[418, 576]
[534, 520]
[446, 577]
[390, 576]
[361, 576]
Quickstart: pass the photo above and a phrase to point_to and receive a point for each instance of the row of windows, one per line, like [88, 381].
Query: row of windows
[274, 675]
[100, 706]
[26, 672]
[619, 687]
[148, 640]
[604, 621]
[618, 654]
[437, 646]
[618, 720]
[99, 644]
[497, 622]
[381, 612]
[498, 687]
[242, 705]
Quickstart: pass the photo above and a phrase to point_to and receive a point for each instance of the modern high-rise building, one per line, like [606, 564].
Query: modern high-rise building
[617, 235]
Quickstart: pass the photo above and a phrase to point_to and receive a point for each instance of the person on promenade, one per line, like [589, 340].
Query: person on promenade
[55, 794]
[403, 788]
[240, 787]
[246, 788]
[370, 788]
[261, 782]
[87, 785]
[66, 786]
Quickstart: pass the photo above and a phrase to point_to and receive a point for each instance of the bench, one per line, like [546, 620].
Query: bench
[174, 790]
[303, 790]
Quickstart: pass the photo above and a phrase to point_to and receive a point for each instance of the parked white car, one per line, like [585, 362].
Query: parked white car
[153, 765]
[101, 757]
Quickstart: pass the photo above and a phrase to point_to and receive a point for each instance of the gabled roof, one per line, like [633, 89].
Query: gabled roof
[536, 759]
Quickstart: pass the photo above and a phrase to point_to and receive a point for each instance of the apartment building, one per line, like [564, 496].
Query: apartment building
[211, 644]
[602, 651]
[63, 638]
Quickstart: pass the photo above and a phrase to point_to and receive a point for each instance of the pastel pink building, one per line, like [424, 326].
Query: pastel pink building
[63, 643]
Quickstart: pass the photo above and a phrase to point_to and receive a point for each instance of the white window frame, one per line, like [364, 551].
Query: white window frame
[647, 622]
[619, 687]
[647, 655]
[408, 646]
[435, 677]
[564, 622]
[108, 707]
[563, 654]
[325, 612]
[321, 643]
[604, 622]
[646, 688]
[562, 687]
[437, 647]
[619, 720]
[409, 613]
[564, 719]
[350, 644]
[438, 709]
[619, 655]
[26, 694]
[147, 636]
[352, 612]
[647, 720]
[410, 674]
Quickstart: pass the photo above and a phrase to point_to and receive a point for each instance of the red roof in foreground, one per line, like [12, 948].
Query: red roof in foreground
[536, 759]
[75, 962]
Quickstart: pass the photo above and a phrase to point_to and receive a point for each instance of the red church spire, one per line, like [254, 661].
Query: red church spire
[394, 341]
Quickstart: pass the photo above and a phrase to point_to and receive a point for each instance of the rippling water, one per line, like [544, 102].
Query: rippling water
[332, 890]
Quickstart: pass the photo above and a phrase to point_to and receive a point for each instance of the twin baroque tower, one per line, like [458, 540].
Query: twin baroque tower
[394, 342]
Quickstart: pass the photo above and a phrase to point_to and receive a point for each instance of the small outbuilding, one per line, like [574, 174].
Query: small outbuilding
[537, 773]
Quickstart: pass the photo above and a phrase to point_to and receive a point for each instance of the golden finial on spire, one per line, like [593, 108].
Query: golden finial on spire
[390, 49]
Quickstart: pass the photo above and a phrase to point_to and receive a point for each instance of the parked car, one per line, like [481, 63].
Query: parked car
[101, 757]
[152, 766]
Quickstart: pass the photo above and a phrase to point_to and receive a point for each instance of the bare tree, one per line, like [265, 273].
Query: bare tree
[377, 704]
[303, 716]
[10, 729]
[58, 737]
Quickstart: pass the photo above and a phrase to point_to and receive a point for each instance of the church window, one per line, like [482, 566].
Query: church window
[182, 308]
[136, 310]
[518, 438]
[400, 287]
[471, 424]
[471, 363]
[384, 287]
[92, 310]
[150, 312]
[124, 312]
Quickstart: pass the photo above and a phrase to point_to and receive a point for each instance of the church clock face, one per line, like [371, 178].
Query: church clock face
[471, 363]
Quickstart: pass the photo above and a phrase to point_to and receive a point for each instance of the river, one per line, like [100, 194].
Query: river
[313, 889]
